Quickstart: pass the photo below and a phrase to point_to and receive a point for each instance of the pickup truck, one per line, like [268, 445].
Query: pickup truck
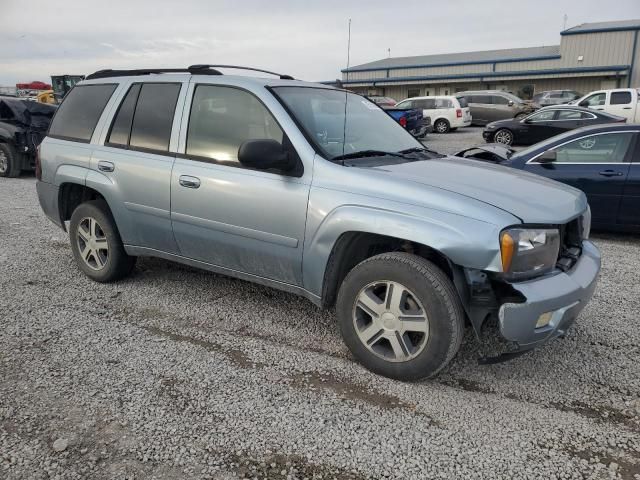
[619, 101]
[411, 119]
[23, 125]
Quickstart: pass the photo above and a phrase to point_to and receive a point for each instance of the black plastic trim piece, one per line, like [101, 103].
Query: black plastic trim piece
[108, 73]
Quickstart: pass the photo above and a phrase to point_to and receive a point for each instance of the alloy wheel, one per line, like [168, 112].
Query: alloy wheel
[4, 162]
[503, 136]
[92, 243]
[441, 127]
[390, 321]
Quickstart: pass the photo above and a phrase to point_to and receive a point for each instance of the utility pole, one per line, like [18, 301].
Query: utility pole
[348, 49]
[564, 24]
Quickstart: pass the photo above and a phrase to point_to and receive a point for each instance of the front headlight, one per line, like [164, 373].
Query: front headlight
[528, 252]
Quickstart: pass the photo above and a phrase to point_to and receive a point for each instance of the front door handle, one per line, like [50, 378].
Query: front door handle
[610, 173]
[105, 166]
[189, 182]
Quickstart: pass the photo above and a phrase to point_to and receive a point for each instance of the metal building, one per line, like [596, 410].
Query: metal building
[590, 56]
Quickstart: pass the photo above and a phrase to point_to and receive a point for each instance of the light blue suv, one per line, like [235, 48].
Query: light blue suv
[315, 191]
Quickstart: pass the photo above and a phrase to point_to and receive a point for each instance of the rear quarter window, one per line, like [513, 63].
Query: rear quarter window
[78, 115]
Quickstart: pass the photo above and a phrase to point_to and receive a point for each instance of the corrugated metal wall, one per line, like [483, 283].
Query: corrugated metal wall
[596, 49]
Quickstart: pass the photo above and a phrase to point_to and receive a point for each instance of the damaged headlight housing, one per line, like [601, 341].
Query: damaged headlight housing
[528, 252]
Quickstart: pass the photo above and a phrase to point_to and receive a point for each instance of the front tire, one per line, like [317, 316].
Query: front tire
[400, 316]
[503, 136]
[441, 126]
[96, 244]
[9, 165]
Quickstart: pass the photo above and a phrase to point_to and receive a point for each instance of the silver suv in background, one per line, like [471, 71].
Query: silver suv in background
[318, 192]
[555, 97]
[490, 105]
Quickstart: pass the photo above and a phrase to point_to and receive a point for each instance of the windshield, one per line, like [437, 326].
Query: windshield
[321, 113]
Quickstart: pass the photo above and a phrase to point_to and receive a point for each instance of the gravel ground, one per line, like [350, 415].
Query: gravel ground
[177, 373]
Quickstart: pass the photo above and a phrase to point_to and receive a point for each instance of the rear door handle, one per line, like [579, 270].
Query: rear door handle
[626, 108]
[105, 166]
[189, 182]
[610, 173]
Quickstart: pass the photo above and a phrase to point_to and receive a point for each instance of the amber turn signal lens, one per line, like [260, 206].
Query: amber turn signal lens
[507, 246]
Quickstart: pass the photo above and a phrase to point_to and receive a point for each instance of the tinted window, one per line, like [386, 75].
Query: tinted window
[443, 103]
[223, 118]
[154, 116]
[486, 99]
[462, 101]
[498, 100]
[555, 95]
[606, 148]
[594, 100]
[620, 98]
[77, 117]
[542, 116]
[570, 115]
[121, 127]
[420, 104]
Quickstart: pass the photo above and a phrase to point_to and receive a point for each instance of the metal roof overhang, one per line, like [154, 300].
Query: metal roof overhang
[474, 77]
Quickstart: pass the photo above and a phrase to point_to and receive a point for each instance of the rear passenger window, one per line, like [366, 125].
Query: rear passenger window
[484, 99]
[121, 128]
[498, 100]
[77, 117]
[620, 98]
[223, 118]
[153, 118]
[443, 103]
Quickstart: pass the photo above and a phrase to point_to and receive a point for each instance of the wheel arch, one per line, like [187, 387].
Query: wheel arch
[72, 194]
[350, 234]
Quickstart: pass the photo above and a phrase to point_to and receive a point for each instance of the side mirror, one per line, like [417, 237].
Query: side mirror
[510, 103]
[265, 155]
[583, 103]
[547, 157]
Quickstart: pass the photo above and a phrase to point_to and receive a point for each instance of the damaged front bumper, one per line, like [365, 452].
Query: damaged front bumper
[552, 302]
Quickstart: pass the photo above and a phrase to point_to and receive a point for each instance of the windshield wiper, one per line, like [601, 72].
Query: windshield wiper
[368, 153]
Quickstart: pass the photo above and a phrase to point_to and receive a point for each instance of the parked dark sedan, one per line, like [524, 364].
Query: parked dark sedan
[603, 161]
[544, 123]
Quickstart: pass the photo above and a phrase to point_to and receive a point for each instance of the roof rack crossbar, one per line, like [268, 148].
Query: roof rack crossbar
[238, 67]
[149, 71]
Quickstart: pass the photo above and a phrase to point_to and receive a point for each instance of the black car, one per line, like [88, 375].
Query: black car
[603, 161]
[545, 123]
[23, 125]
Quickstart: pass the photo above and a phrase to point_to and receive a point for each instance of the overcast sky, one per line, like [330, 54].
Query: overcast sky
[307, 39]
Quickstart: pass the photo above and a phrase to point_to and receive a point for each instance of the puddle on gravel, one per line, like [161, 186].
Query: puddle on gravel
[281, 467]
[601, 413]
[625, 469]
[237, 357]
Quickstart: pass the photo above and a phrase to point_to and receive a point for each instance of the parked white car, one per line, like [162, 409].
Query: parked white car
[447, 113]
[619, 101]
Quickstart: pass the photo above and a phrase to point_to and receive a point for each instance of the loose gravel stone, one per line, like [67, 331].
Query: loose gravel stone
[60, 445]
[178, 373]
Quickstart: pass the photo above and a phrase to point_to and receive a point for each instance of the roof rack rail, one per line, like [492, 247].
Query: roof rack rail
[238, 67]
[149, 71]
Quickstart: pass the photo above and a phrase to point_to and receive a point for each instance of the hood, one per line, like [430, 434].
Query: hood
[529, 197]
[27, 112]
[493, 152]
[500, 123]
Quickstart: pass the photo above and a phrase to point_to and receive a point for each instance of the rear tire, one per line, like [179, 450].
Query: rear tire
[407, 335]
[9, 164]
[441, 126]
[96, 244]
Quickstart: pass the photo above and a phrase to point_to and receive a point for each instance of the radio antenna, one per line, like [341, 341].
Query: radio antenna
[346, 98]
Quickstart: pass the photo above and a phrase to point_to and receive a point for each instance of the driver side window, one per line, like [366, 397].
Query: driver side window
[542, 116]
[223, 118]
[595, 100]
[605, 148]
